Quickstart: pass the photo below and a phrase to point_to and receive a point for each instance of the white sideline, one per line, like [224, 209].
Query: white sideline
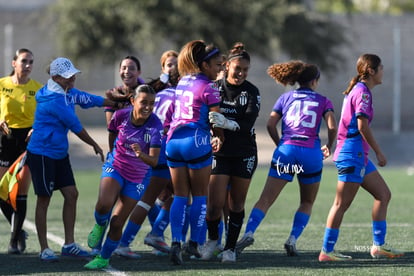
[58, 240]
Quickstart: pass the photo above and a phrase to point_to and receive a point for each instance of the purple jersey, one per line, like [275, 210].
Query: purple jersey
[302, 111]
[163, 103]
[147, 136]
[194, 96]
[357, 103]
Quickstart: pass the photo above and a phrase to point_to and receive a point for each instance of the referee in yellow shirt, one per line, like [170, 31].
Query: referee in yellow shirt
[17, 108]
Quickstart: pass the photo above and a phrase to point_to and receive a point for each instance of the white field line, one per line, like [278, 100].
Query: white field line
[58, 240]
[347, 225]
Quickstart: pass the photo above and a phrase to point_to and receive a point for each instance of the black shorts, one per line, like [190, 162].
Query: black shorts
[12, 145]
[243, 167]
[49, 174]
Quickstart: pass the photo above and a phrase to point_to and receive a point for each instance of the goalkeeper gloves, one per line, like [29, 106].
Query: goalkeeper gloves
[218, 120]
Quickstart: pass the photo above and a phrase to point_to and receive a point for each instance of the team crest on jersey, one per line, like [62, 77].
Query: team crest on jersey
[243, 98]
[147, 137]
[365, 98]
[215, 86]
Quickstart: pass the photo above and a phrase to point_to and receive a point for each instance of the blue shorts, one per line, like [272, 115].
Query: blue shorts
[353, 170]
[189, 147]
[162, 170]
[289, 160]
[130, 189]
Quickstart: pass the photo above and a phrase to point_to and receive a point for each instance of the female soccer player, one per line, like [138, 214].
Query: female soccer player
[354, 168]
[189, 151]
[135, 141]
[299, 149]
[236, 161]
[160, 178]
[17, 108]
[129, 72]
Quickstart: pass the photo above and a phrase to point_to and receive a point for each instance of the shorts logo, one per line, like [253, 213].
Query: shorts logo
[5, 163]
[140, 188]
[201, 140]
[362, 174]
[51, 185]
[288, 168]
[109, 170]
[250, 163]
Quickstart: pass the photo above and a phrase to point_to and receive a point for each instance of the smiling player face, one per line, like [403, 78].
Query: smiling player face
[143, 105]
[129, 73]
[237, 71]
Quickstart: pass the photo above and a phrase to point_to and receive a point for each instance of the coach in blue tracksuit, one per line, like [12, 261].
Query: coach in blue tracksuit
[47, 151]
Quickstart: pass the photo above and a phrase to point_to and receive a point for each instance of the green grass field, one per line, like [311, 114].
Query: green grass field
[265, 257]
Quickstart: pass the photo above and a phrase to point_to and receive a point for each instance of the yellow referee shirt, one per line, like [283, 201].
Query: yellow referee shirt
[17, 102]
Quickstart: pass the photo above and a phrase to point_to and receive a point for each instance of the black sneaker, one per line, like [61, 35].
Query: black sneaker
[21, 241]
[13, 250]
[192, 249]
[290, 247]
[175, 253]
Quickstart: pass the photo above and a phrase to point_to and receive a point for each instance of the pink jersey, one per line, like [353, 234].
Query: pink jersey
[194, 95]
[357, 103]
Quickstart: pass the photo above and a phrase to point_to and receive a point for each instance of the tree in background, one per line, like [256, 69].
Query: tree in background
[105, 29]
[364, 6]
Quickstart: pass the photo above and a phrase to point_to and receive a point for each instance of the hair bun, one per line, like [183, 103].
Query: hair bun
[238, 46]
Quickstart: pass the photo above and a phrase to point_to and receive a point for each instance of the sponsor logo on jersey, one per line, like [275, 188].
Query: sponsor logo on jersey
[228, 110]
[229, 103]
[8, 90]
[298, 95]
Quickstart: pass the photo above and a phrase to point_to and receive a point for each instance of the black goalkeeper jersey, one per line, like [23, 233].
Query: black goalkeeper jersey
[241, 104]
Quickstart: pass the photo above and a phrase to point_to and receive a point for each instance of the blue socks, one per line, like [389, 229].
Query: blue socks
[329, 239]
[177, 217]
[129, 233]
[198, 217]
[299, 223]
[102, 219]
[379, 230]
[255, 218]
[108, 247]
[161, 223]
[153, 213]
[186, 222]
